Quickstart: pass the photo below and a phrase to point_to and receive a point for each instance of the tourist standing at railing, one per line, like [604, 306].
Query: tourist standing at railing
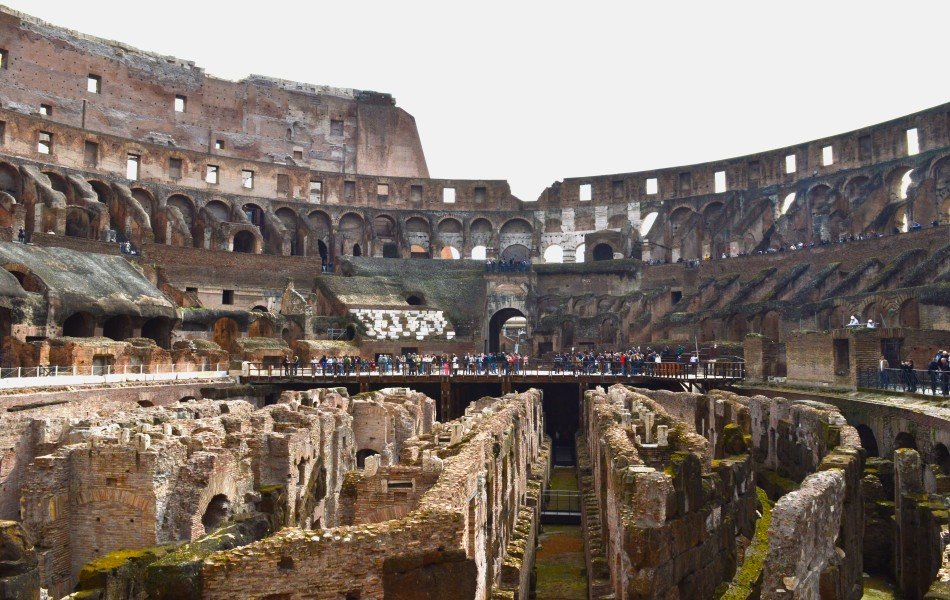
[910, 377]
[882, 367]
[944, 365]
[933, 373]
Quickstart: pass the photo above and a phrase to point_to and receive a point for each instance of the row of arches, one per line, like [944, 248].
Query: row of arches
[83, 324]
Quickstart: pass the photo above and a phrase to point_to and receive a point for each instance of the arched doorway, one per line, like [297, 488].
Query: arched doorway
[80, 324]
[362, 455]
[904, 440]
[244, 242]
[217, 512]
[868, 440]
[516, 252]
[159, 330]
[498, 322]
[602, 252]
[117, 328]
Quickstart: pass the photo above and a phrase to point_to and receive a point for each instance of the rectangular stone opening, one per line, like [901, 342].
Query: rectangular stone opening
[132, 167]
[336, 127]
[46, 110]
[90, 153]
[790, 166]
[481, 194]
[382, 192]
[827, 156]
[349, 190]
[842, 354]
[227, 297]
[180, 103]
[653, 186]
[94, 84]
[316, 191]
[585, 192]
[719, 182]
[913, 143]
[174, 168]
[415, 193]
[448, 195]
[44, 144]
[686, 183]
[211, 174]
[616, 189]
[247, 179]
[283, 184]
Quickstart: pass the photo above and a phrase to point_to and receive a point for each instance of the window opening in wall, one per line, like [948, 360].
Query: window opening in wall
[686, 182]
[45, 143]
[906, 180]
[247, 179]
[349, 190]
[913, 144]
[298, 154]
[4, 59]
[283, 184]
[192, 290]
[219, 144]
[652, 186]
[865, 147]
[787, 203]
[382, 192]
[336, 127]
[676, 296]
[94, 84]
[132, 166]
[585, 193]
[719, 181]
[3, 131]
[827, 156]
[616, 188]
[790, 163]
[415, 193]
[180, 103]
[46, 110]
[480, 195]
[90, 153]
[842, 357]
[316, 191]
[448, 195]
[211, 174]
[227, 296]
[174, 168]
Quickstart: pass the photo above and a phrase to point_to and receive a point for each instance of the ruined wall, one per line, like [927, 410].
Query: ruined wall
[670, 515]
[454, 539]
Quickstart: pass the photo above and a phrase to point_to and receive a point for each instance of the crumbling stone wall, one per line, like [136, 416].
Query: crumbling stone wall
[455, 540]
[670, 515]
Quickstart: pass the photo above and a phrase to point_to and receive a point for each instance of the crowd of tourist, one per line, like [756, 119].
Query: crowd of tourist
[635, 361]
[507, 266]
[937, 375]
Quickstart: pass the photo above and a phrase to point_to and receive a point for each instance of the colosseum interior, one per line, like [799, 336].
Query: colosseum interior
[251, 350]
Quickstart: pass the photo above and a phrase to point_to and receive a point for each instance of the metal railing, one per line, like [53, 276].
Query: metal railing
[561, 501]
[606, 371]
[914, 381]
[101, 370]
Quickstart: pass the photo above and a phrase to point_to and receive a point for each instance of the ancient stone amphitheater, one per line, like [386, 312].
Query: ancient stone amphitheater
[251, 350]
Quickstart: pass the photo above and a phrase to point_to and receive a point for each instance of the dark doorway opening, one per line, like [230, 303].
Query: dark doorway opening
[602, 252]
[496, 324]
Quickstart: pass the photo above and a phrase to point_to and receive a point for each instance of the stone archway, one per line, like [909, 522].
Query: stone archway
[496, 323]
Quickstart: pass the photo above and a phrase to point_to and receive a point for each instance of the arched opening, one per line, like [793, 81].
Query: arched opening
[602, 252]
[357, 251]
[567, 334]
[159, 330]
[77, 223]
[117, 328]
[244, 242]
[80, 324]
[904, 440]
[942, 458]
[647, 224]
[514, 333]
[415, 300]
[255, 214]
[226, 331]
[322, 251]
[516, 252]
[261, 328]
[579, 253]
[479, 253]
[259, 308]
[390, 250]
[217, 512]
[298, 234]
[417, 251]
[9, 180]
[361, 457]
[738, 328]
[868, 440]
[554, 254]
[787, 203]
[449, 253]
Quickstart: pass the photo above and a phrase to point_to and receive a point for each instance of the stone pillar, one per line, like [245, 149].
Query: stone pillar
[917, 548]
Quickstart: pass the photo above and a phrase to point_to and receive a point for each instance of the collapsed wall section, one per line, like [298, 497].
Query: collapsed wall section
[455, 539]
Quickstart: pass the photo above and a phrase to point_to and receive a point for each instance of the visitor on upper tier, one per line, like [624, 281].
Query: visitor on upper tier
[871, 324]
[853, 322]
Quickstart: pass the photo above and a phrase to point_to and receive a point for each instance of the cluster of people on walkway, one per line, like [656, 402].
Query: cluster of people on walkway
[507, 266]
[911, 380]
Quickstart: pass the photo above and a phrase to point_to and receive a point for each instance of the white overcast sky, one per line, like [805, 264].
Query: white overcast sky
[533, 92]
